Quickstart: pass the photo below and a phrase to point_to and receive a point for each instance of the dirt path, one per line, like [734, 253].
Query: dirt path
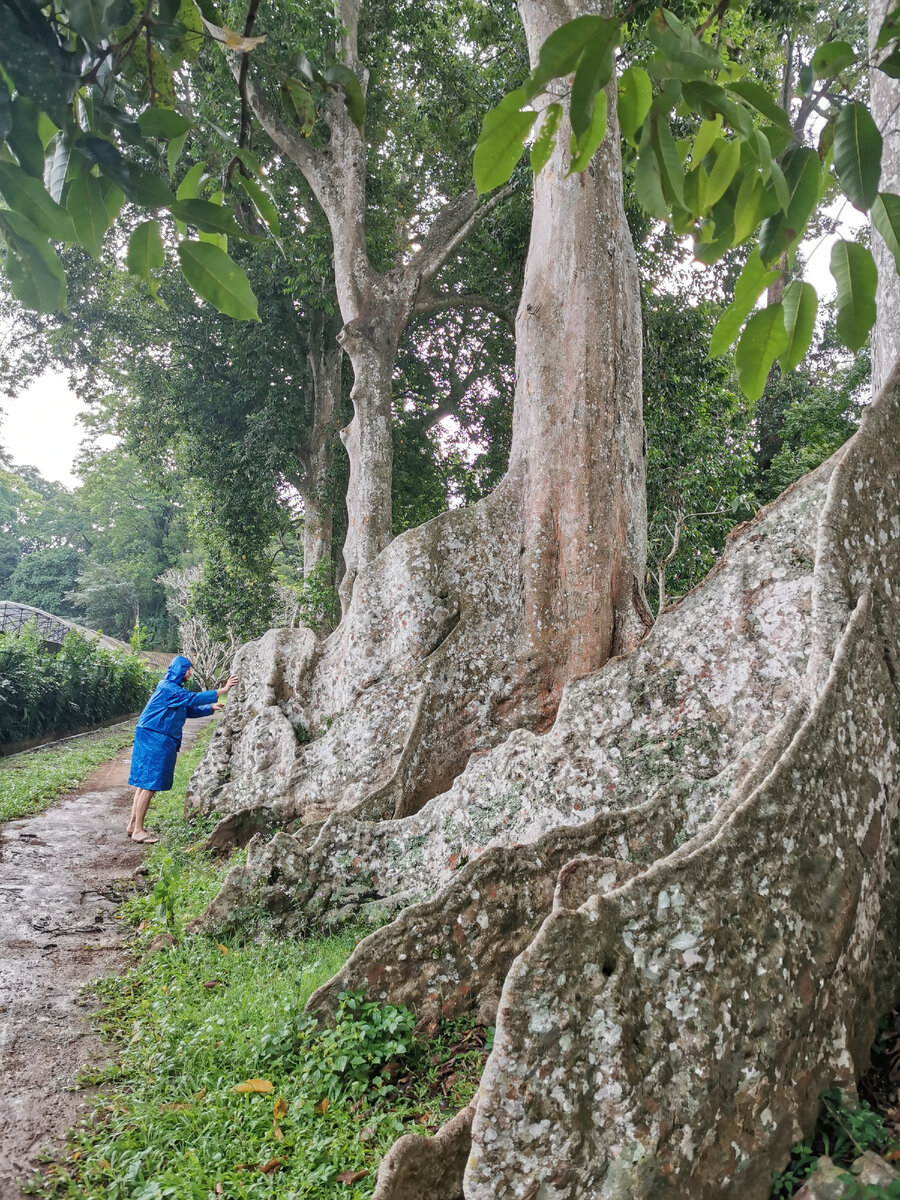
[61, 877]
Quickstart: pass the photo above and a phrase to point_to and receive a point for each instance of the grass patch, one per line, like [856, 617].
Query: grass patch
[320, 1104]
[30, 782]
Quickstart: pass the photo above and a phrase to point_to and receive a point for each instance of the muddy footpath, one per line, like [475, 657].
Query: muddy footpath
[62, 876]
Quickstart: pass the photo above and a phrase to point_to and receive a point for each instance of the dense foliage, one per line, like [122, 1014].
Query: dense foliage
[46, 691]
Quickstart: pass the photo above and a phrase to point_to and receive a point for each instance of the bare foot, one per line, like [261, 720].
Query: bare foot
[142, 837]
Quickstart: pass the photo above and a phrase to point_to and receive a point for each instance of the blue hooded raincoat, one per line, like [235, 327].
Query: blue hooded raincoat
[157, 738]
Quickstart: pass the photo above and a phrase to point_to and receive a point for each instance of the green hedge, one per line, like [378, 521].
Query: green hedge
[45, 691]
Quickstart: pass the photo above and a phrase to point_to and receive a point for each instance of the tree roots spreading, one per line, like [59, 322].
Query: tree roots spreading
[680, 901]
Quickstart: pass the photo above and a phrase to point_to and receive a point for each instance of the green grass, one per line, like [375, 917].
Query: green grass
[29, 782]
[196, 1019]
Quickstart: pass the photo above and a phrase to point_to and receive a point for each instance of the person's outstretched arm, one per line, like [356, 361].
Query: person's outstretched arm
[203, 704]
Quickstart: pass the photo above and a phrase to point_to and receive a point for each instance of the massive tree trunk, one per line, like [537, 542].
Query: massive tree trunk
[468, 627]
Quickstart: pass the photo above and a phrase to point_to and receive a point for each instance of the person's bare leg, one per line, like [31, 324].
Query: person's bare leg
[142, 798]
[130, 829]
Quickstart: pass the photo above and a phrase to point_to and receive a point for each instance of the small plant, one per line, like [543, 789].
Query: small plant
[843, 1133]
[165, 893]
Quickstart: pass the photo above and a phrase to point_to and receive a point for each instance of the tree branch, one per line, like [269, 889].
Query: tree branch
[429, 301]
[451, 227]
[244, 134]
[307, 158]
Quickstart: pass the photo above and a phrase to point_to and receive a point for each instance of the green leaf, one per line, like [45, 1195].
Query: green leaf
[831, 58]
[5, 111]
[191, 186]
[298, 104]
[803, 176]
[584, 148]
[113, 199]
[145, 252]
[147, 189]
[856, 277]
[56, 164]
[217, 278]
[763, 340]
[757, 96]
[44, 72]
[857, 155]
[673, 175]
[707, 135]
[211, 218]
[886, 219]
[648, 183]
[163, 123]
[23, 137]
[890, 28]
[728, 159]
[349, 84]
[33, 268]
[546, 138]
[752, 204]
[86, 207]
[752, 282]
[800, 303]
[502, 139]
[560, 52]
[593, 73]
[635, 98]
[28, 196]
[95, 19]
[174, 151]
[264, 206]
[891, 65]
[679, 43]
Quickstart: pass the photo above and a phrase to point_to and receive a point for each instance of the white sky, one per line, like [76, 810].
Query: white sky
[40, 427]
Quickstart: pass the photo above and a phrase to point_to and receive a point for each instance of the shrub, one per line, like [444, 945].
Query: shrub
[45, 691]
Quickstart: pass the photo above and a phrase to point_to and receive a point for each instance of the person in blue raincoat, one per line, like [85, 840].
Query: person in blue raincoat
[157, 738]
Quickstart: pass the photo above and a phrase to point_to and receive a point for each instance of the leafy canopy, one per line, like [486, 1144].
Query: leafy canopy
[744, 177]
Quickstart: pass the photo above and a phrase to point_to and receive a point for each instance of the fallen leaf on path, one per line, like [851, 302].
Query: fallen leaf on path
[278, 1132]
[175, 1106]
[255, 1085]
[279, 1108]
[323, 1105]
[351, 1176]
[224, 949]
[211, 983]
[200, 1094]
[274, 1164]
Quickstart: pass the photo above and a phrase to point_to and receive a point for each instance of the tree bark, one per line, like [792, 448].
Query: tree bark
[885, 104]
[324, 371]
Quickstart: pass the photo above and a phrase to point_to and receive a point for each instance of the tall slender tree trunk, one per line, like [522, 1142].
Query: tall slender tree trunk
[324, 370]
[577, 419]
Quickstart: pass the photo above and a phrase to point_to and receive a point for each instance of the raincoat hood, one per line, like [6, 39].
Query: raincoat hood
[178, 668]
